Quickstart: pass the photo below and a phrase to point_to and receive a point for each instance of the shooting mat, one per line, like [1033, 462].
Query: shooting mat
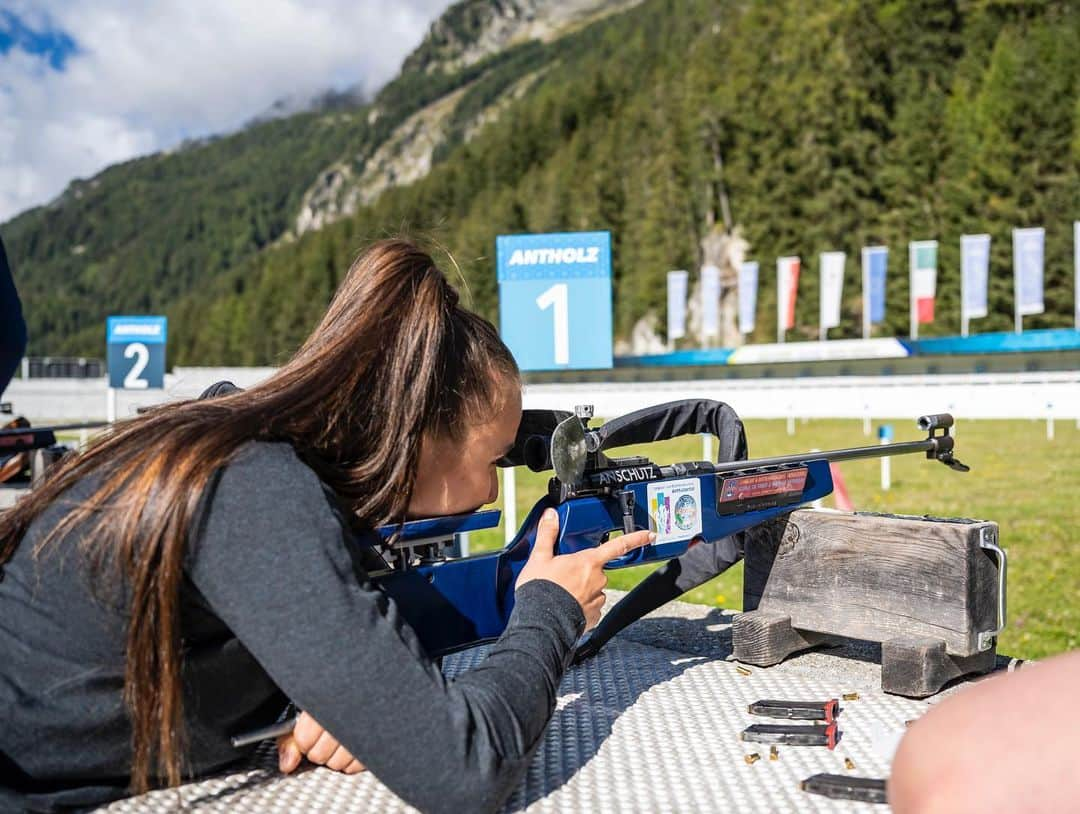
[649, 725]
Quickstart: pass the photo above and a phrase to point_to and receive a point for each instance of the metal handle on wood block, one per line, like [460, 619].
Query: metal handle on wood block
[987, 637]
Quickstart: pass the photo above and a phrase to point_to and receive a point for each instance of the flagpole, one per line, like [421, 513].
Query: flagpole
[865, 295]
[1076, 269]
[1018, 318]
[963, 290]
[781, 285]
[913, 331]
[823, 332]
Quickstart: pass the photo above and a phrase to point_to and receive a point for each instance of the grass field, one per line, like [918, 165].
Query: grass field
[1027, 484]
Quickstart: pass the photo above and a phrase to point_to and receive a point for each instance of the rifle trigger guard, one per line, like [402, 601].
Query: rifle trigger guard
[626, 504]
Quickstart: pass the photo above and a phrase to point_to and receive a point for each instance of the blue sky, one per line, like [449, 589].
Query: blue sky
[90, 83]
[52, 45]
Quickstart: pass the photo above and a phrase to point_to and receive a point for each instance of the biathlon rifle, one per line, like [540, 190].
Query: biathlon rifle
[455, 602]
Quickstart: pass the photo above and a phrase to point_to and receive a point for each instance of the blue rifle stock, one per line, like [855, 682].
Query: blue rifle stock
[456, 602]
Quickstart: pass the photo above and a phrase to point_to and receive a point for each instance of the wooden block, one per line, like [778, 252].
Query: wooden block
[876, 577]
[918, 667]
[764, 639]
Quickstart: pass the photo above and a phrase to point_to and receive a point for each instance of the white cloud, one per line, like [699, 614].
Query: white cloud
[146, 76]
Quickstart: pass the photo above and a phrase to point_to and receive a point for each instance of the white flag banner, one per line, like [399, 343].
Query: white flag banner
[676, 304]
[832, 289]
[974, 274]
[710, 301]
[748, 284]
[1028, 269]
[787, 287]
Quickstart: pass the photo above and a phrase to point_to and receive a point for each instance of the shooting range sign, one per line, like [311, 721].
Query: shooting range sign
[136, 352]
[674, 509]
[555, 299]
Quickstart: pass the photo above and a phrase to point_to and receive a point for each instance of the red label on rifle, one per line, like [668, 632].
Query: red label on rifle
[760, 490]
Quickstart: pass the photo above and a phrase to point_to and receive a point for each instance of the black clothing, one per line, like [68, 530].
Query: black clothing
[273, 607]
[12, 327]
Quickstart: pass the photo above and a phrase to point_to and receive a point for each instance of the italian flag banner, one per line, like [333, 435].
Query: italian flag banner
[922, 256]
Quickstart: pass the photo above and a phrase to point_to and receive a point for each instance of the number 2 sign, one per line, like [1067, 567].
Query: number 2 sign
[555, 299]
[136, 352]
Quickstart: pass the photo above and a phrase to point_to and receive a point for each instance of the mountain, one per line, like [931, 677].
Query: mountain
[823, 125]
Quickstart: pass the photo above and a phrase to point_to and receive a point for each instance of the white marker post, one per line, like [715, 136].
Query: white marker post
[885, 436]
[110, 404]
[509, 503]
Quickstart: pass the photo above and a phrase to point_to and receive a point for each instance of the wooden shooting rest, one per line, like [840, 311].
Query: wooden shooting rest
[930, 590]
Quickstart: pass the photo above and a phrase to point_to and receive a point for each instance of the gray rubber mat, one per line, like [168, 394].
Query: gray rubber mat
[650, 725]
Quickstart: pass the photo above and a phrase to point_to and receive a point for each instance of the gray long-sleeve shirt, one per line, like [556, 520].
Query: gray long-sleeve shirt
[273, 606]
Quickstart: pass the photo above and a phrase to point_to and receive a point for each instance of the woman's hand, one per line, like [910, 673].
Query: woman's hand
[308, 739]
[580, 573]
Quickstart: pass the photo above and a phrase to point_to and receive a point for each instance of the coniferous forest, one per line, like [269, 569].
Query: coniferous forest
[829, 125]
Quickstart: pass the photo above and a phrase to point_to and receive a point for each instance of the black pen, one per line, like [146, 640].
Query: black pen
[265, 732]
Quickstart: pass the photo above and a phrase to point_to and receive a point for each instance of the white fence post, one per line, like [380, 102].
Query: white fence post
[885, 436]
[509, 504]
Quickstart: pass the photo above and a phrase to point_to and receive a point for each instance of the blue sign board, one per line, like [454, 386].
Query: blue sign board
[136, 352]
[555, 299]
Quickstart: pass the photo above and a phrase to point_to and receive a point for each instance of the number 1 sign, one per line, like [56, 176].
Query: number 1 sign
[555, 299]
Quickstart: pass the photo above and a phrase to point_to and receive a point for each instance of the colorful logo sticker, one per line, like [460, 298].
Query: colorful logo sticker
[675, 509]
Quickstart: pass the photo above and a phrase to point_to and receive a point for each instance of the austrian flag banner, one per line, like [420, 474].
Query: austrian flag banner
[787, 286]
[922, 258]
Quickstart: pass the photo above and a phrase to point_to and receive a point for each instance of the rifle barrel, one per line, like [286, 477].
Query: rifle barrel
[87, 425]
[878, 451]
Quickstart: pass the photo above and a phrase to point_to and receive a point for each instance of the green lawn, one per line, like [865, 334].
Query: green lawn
[1028, 485]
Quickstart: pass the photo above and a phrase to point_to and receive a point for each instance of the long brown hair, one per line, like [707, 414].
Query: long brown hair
[395, 358]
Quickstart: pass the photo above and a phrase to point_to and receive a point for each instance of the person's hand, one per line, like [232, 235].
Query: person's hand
[581, 574]
[309, 739]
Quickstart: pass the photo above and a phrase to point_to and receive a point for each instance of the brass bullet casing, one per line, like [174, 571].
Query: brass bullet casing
[849, 764]
[751, 758]
[774, 753]
[742, 671]
[850, 696]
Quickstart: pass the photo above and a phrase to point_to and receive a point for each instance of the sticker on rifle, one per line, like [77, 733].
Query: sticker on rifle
[675, 509]
[768, 484]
